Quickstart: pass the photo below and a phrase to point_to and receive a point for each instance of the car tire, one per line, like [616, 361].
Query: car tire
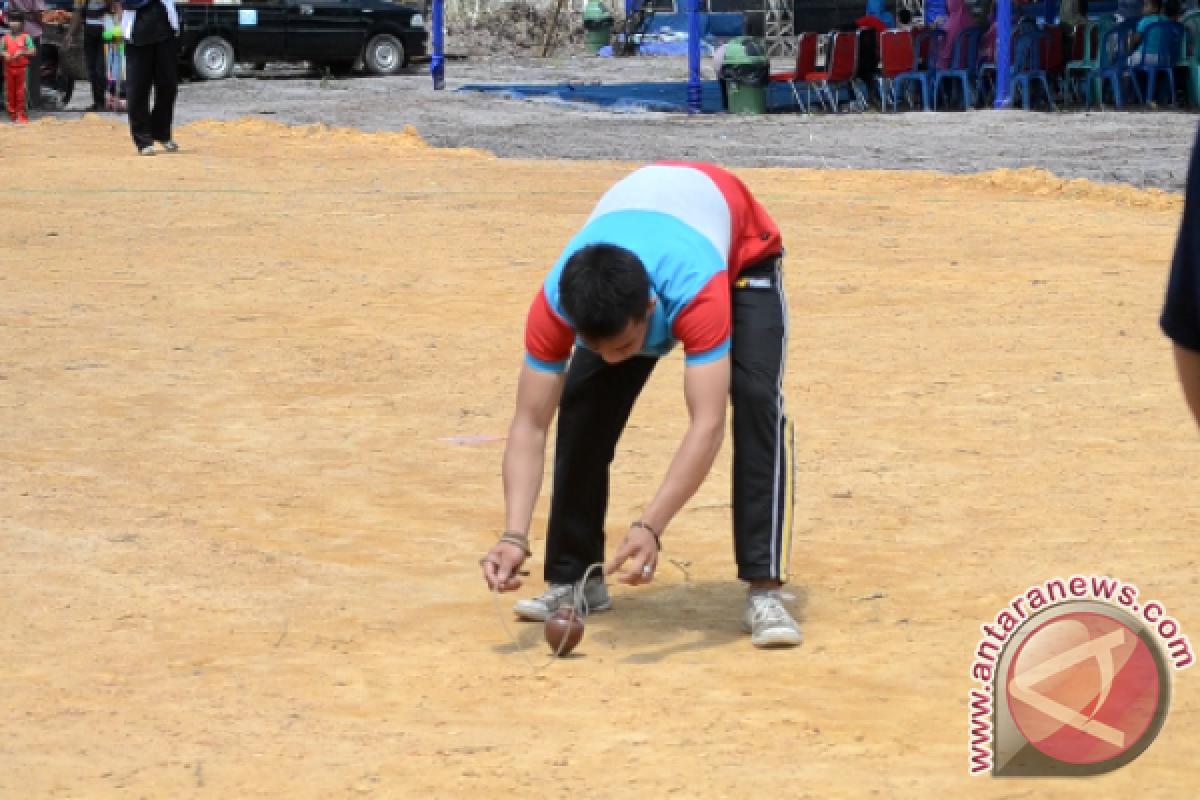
[384, 55]
[213, 58]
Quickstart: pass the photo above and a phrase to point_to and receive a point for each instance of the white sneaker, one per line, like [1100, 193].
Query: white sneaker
[768, 622]
[539, 609]
[170, 146]
[148, 150]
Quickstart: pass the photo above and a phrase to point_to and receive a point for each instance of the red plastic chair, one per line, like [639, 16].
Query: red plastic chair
[900, 68]
[839, 73]
[806, 64]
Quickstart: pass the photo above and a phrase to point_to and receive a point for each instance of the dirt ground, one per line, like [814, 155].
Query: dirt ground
[239, 554]
[1139, 149]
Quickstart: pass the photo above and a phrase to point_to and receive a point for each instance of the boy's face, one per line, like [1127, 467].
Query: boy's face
[14, 25]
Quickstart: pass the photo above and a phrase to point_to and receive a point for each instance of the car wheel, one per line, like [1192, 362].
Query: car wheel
[384, 55]
[213, 59]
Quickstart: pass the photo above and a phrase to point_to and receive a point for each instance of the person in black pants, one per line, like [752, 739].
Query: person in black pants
[672, 254]
[1180, 319]
[89, 15]
[151, 62]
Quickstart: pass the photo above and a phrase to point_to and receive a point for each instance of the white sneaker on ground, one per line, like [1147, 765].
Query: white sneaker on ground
[539, 609]
[170, 146]
[768, 622]
[148, 150]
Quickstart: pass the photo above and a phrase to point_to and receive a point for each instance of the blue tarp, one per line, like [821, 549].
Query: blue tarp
[675, 47]
[631, 96]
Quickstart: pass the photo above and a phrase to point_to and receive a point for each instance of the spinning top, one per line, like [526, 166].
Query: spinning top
[564, 630]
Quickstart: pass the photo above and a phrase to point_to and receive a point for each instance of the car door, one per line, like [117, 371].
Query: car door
[325, 30]
[262, 31]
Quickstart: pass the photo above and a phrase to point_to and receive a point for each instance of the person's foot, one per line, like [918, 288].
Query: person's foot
[768, 622]
[170, 146]
[148, 150]
[539, 609]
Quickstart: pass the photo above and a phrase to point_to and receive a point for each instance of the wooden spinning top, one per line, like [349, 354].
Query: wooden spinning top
[564, 631]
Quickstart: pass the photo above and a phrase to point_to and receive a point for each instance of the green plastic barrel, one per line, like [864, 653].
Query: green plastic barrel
[746, 72]
[597, 26]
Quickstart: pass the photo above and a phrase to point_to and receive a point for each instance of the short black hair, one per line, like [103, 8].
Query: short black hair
[603, 288]
[1157, 5]
[1171, 9]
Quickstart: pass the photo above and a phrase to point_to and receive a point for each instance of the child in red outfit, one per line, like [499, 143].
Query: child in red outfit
[16, 48]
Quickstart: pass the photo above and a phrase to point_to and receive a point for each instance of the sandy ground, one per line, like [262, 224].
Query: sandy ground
[238, 559]
[1140, 149]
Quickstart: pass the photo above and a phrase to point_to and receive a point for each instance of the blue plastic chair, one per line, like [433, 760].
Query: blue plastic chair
[929, 42]
[902, 83]
[1027, 68]
[964, 66]
[1167, 40]
[1113, 67]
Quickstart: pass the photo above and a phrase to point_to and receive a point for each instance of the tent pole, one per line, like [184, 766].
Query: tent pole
[1003, 51]
[437, 66]
[695, 94]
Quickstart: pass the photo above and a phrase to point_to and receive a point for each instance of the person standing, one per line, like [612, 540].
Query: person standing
[151, 31]
[17, 49]
[672, 254]
[89, 15]
[1180, 319]
[31, 11]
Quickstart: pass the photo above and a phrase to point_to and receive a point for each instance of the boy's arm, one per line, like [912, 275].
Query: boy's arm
[706, 389]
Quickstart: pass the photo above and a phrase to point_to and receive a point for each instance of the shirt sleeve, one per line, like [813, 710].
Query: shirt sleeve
[705, 324]
[1181, 312]
[548, 337]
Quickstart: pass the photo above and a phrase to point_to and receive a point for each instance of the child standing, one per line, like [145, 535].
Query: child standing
[16, 48]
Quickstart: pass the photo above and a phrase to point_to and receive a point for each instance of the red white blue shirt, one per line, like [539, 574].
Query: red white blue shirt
[695, 227]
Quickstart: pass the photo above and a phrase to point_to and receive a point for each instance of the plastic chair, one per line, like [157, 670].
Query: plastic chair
[1162, 47]
[1087, 38]
[806, 64]
[839, 72]
[900, 69]
[926, 47]
[1190, 59]
[1051, 50]
[1113, 66]
[1027, 68]
[964, 66]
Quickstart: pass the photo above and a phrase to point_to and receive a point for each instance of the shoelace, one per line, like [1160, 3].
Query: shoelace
[769, 608]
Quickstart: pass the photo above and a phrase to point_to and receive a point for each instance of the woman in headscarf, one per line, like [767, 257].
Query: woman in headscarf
[958, 19]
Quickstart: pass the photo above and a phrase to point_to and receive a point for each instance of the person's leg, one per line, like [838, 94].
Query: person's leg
[34, 76]
[763, 483]
[14, 81]
[596, 402]
[166, 88]
[17, 98]
[93, 55]
[139, 64]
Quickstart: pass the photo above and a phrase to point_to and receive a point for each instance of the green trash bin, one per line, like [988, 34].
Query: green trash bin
[597, 26]
[745, 73]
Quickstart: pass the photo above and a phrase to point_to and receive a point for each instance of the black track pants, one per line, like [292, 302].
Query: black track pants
[598, 399]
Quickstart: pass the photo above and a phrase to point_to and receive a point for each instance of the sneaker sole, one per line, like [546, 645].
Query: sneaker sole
[778, 637]
[541, 615]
